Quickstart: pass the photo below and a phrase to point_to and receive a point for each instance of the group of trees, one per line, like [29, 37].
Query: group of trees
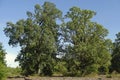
[115, 62]
[70, 45]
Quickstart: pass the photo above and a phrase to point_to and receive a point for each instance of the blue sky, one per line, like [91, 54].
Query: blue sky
[108, 15]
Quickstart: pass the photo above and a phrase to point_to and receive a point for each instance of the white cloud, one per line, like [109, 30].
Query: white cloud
[10, 58]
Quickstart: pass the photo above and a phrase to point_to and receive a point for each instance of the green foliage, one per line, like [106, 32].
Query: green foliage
[89, 50]
[2, 54]
[60, 68]
[3, 71]
[77, 47]
[109, 76]
[12, 72]
[37, 37]
[47, 70]
[116, 55]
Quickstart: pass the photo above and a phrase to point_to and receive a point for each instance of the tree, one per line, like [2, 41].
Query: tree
[88, 50]
[78, 47]
[116, 54]
[37, 37]
[2, 63]
[2, 54]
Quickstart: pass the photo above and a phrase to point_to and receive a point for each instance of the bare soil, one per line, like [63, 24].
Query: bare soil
[62, 78]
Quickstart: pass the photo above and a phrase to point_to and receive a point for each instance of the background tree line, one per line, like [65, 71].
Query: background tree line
[71, 45]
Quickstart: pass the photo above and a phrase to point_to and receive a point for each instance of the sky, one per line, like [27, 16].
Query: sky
[108, 15]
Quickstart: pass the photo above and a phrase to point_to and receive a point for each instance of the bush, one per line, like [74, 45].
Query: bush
[103, 70]
[11, 72]
[90, 70]
[3, 72]
[60, 68]
[109, 76]
[47, 71]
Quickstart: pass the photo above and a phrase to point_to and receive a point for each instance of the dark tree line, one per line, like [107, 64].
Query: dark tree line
[76, 47]
[116, 55]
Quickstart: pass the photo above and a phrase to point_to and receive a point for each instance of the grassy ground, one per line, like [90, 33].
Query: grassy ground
[113, 76]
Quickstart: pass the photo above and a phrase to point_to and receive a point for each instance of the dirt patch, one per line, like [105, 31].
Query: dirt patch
[62, 78]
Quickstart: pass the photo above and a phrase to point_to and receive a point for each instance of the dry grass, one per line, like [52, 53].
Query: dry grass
[64, 78]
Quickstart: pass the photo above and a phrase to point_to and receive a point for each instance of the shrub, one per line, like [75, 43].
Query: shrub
[11, 72]
[3, 72]
[60, 68]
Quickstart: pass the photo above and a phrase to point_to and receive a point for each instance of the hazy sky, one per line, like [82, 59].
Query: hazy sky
[108, 15]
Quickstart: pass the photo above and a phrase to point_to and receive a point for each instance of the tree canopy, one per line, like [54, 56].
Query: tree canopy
[116, 54]
[2, 54]
[37, 36]
[82, 43]
[89, 51]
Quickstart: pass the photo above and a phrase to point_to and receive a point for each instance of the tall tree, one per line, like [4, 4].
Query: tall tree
[88, 49]
[116, 54]
[2, 54]
[37, 36]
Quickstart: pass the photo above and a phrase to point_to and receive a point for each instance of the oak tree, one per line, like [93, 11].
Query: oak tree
[37, 36]
[88, 51]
